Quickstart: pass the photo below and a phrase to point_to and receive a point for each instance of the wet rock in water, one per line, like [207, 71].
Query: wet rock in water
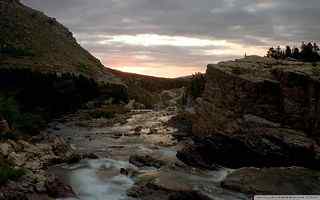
[89, 156]
[138, 129]
[124, 171]
[158, 186]
[263, 147]
[274, 181]
[57, 189]
[146, 161]
[193, 195]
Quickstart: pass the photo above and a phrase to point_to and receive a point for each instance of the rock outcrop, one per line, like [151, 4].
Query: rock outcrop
[283, 92]
[257, 112]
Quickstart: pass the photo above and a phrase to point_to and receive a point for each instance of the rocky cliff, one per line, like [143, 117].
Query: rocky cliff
[30, 39]
[282, 92]
[257, 112]
[264, 113]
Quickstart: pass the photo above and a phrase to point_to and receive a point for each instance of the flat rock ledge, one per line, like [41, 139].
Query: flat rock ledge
[274, 181]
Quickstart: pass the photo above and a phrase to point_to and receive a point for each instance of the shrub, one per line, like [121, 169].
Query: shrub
[16, 52]
[8, 173]
[316, 71]
[108, 111]
[197, 86]
[83, 68]
[9, 109]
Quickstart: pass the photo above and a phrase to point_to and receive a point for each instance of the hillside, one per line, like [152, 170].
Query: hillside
[30, 39]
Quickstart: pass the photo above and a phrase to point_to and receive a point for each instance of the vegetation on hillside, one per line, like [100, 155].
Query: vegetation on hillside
[28, 98]
[195, 88]
[307, 52]
[146, 89]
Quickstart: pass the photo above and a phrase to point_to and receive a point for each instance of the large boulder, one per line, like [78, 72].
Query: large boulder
[265, 147]
[274, 181]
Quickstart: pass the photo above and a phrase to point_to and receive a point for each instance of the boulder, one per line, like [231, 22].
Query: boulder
[263, 147]
[18, 159]
[274, 181]
[58, 189]
[6, 149]
[146, 161]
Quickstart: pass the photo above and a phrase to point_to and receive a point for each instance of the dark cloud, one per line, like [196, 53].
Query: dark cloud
[254, 24]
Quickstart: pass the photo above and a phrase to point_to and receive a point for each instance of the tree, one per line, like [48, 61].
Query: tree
[296, 53]
[271, 53]
[288, 52]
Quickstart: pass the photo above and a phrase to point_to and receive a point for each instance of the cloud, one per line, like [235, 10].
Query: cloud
[183, 33]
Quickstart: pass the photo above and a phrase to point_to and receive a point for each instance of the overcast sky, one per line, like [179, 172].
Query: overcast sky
[178, 37]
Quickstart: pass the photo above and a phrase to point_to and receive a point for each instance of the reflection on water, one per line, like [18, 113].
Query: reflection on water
[98, 179]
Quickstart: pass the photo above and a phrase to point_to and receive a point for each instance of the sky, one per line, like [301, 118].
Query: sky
[171, 38]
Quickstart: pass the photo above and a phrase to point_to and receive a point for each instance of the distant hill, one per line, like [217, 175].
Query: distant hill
[151, 83]
[30, 39]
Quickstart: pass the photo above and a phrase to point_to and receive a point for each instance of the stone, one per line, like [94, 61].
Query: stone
[263, 147]
[6, 149]
[18, 159]
[57, 189]
[146, 160]
[274, 181]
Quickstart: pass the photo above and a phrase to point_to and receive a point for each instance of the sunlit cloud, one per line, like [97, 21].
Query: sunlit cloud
[180, 36]
[161, 40]
[163, 71]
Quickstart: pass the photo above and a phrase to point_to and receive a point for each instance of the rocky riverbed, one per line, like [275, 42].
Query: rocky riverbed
[134, 159]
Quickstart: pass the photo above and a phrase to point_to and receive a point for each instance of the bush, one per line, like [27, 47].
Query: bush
[9, 109]
[109, 111]
[16, 52]
[8, 173]
[195, 88]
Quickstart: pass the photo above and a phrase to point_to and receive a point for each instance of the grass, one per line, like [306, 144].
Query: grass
[8, 173]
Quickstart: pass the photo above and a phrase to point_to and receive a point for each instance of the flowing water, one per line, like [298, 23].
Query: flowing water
[100, 179]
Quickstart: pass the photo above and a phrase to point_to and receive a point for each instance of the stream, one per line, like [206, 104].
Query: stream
[142, 133]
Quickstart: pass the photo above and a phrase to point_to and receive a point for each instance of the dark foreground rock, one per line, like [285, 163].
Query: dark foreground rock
[34, 156]
[146, 160]
[266, 147]
[35, 187]
[274, 181]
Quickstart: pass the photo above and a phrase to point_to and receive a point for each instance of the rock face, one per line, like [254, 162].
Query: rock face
[257, 112]
[278, 91]
[274, 181]
[30, 39]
